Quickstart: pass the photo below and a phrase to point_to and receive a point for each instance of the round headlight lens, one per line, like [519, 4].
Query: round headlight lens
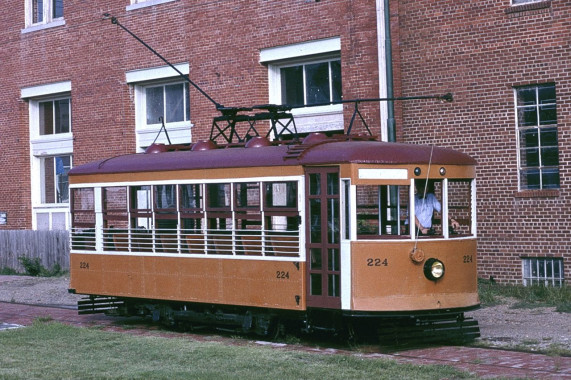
[437, 269]
[433, 269]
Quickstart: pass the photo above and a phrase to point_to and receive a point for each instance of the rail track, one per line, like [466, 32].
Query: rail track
[484, 362]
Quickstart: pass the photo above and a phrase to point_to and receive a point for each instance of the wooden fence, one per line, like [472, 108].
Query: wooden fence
[52, 247]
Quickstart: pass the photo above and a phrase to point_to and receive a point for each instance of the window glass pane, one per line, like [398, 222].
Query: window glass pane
[281, 194]
[527, 116]
[529, 138]
[550, 178]
[46, 118]
[315, 220]
[38, 11]
[155, 104]
[218, 195]
[546, 94]
[315, 184]
[57, 8]
[315, 284]
[334, 285]
[316, 262]
[530, 157]
[529, 179]
[61, 115]
[547, 114]
[165, 196]
[187, 102]
[332, 183]
[336, 87]
[526, 96]
[549, 157]
[248, 195]
[55, 184]
[190, 197]
[292, 85]
[333, 222]
[63, 164]
[548, 137]
[174, 95]
[317, 83]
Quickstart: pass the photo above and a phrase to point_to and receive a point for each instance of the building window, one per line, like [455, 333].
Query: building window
[161, 96]
[54, 179]
[307, 77]
[537, 137]
[167, 103]
[44, 12]
[54, 116]
[542, 271]
[51, 142]
[311, 83]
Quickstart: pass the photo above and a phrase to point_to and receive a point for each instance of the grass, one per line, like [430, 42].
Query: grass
[56, 351]
[492, 293]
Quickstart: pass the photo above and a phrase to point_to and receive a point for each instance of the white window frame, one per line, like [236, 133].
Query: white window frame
[46, 146]
[178, 132]
[48, 21]
[541, 167]
[137, 4]
[307, 119]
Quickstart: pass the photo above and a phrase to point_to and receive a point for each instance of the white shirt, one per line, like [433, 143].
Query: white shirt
[424, 208]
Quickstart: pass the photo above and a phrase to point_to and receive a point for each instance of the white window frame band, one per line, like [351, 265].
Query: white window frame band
[307, 119]
[179, 132]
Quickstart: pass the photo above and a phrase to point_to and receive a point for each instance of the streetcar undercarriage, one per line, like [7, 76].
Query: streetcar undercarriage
[388, 329]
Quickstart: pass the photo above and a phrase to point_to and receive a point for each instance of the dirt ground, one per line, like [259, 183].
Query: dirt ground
[535, 329]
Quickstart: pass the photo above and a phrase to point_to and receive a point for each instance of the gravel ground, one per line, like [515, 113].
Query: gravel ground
[536, 329]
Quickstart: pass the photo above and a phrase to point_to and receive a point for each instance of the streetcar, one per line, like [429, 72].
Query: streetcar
[317, 234]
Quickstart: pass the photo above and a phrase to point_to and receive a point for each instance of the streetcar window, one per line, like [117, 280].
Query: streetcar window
[460, 207]
[219, 218]
[280, 194]
[428, 208]
[381, 211]
[166, 218]
[191, 208]
[115, 218]
[83, 218]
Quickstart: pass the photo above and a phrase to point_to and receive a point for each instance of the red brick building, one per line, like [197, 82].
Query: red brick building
[508, 66]
[76, 87]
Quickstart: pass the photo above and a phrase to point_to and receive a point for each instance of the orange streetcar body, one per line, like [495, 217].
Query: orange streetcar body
[317, 232]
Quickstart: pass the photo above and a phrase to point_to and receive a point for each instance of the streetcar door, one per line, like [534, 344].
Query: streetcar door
[323, 237]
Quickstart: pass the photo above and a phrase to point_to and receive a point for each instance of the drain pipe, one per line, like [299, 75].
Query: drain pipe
[388, 132]
[391, 127]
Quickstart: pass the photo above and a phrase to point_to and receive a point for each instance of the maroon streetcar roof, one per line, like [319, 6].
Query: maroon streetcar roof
[325, 152]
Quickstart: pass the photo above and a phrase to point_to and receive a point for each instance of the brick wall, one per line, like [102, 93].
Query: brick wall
[480, 50]
[221, 42]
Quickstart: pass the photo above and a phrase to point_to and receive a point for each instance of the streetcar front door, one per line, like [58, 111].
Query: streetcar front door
[323, 237]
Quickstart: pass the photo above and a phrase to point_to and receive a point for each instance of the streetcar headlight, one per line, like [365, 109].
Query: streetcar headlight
[433, 269]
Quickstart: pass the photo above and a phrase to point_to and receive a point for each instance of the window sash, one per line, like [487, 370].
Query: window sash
[54, 178]
[45, 11]
[54, 116]
[543, 271]
[311, 83]
[167, 102]
[538, 152]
